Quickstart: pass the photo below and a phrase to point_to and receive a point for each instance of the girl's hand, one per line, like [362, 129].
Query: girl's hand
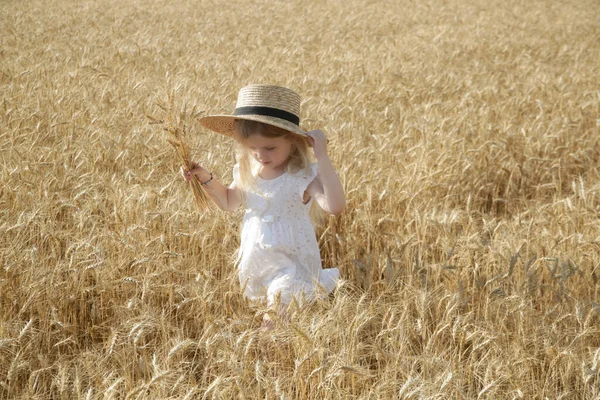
[200, 173]
[318, 141]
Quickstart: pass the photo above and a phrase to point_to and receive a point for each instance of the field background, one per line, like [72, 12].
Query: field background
[466, 133]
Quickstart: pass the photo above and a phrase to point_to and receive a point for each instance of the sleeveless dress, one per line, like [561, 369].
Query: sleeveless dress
[279, 253]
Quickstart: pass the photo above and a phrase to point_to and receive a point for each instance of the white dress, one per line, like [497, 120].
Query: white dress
[279, 253]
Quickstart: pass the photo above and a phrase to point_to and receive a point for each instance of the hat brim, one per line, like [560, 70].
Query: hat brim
[225, 124]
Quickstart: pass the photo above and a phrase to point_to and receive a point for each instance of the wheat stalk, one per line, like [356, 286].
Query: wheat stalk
[174, 125]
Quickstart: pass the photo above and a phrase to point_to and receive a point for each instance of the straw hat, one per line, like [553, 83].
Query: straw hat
[272, 105]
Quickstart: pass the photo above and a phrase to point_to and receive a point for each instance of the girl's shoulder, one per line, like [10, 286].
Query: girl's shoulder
[305, 176]
[236, 172]
[242, 179]
[310, 171]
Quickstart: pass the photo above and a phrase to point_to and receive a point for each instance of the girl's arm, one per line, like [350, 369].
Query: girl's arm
[226, 198]
[326, 189]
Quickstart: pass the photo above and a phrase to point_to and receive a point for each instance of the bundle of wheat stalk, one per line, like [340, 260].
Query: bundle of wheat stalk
[174, 124]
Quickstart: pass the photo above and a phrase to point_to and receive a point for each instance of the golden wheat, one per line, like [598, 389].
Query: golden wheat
[466, 133]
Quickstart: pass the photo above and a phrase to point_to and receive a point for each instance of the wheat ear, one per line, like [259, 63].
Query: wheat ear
[174, 125]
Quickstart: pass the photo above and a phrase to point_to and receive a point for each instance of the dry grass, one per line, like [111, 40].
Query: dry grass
[466, 133]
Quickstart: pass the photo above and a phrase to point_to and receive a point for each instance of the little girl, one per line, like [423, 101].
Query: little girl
[273, 177]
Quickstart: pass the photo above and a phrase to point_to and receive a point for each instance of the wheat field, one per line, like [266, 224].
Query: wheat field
[465, 132]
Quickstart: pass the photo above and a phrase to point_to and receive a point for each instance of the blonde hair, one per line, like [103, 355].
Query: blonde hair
[299, 159]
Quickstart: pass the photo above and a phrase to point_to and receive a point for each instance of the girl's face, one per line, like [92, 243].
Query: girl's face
[271, 153]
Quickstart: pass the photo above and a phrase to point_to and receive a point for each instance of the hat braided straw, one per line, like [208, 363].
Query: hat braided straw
[273, 105]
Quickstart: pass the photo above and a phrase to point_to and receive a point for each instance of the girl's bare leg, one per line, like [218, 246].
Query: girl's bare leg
[279, 312]
[267, 323]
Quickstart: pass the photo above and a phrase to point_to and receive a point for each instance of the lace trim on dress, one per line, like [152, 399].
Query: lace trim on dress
[304, 180]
